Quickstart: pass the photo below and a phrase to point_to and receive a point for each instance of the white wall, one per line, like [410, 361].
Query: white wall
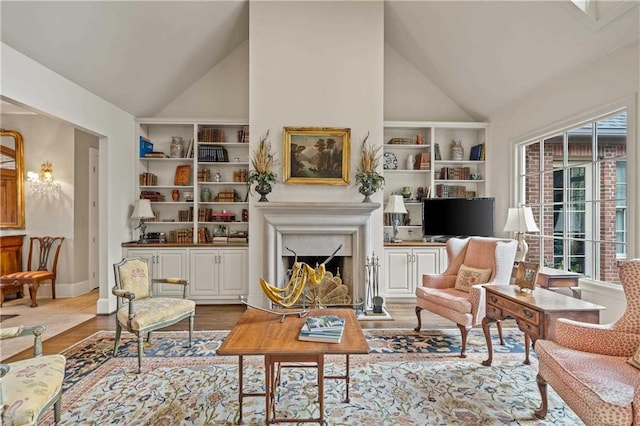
[222, 93]
[46, 139]
[614, 79]
[26, 82]
[410, 96]
[317, 64]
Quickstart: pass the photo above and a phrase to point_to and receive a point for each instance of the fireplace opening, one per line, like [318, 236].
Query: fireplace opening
[329, 294]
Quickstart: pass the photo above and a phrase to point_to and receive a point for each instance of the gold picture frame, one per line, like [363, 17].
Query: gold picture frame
[183, 175]
[527, 275]
[317, 155]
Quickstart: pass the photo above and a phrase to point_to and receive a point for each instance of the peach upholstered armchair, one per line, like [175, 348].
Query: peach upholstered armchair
[591, 366]
[457, 294]
[142, 313]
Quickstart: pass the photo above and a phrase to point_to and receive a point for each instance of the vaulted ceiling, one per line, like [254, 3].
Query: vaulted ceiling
[484, 55]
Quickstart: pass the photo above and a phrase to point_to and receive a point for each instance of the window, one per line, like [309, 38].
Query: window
[575, 181]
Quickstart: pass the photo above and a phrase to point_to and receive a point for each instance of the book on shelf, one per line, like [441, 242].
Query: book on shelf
[155, 154]
[477, 153]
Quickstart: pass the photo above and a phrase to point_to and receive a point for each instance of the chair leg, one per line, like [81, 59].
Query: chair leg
[117, 343]
[191, 321]
[418, 311]
[57, 409]
[53, 288]
[541, 412]
[140, 352]
[465, 333]
[148, 337]
[33, 294]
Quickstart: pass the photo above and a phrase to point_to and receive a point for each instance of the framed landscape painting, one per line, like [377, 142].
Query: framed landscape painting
[316, 155]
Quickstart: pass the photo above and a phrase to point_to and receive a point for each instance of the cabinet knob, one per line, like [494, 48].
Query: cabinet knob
[527, 313]
[493, 299]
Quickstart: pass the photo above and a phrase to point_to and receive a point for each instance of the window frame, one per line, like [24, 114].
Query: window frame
[591, 244]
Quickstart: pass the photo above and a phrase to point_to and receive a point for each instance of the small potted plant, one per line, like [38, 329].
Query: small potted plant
[370, 181]
[262, 175]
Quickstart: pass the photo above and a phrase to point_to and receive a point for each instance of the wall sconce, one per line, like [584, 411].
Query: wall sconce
[142, 210]
[520, 220]
[43, 183]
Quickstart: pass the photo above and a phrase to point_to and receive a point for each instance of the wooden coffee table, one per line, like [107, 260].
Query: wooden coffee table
[535, 313]
[262, 333]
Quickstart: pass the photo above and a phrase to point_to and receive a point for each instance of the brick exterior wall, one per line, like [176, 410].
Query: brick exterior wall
[533, 179]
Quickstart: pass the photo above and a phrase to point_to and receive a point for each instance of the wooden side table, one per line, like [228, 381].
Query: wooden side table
[535, 313]
[550, 278]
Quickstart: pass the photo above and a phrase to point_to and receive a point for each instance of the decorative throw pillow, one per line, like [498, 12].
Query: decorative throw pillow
[468, 276]
[635, 359]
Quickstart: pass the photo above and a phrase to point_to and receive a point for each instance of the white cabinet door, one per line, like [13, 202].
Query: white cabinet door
[233, 272]
[398, 272]
[204, 274]
[172, 263]
[425, 261]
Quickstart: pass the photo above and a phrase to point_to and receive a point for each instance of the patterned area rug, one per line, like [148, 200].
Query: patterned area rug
[407, 378]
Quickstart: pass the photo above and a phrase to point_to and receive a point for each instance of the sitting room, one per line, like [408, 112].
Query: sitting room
[221, 142]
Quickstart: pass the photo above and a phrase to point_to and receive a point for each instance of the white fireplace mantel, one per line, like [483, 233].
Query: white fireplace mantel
[345, 220]
[319, 208]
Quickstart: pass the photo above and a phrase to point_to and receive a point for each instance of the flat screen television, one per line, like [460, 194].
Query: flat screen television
[457, 217]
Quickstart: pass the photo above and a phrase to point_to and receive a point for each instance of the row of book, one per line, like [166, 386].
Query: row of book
[323, 328]
[238, 237]
[451, 191]
[455, 173]
[212, 153]
[148, 179]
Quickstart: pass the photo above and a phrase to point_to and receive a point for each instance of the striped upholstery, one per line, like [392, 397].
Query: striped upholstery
[44, 268]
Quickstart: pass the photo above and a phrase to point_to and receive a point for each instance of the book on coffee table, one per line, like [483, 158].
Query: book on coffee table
[325, 328]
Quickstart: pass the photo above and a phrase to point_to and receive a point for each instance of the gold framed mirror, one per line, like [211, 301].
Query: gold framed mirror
[11, 180]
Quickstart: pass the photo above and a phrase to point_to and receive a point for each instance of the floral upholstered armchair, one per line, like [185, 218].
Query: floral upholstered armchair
[595, 368]
[457, 294]
[28, 388]
[141, 313]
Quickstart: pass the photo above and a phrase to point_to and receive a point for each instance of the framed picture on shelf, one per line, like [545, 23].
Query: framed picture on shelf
[316, 155]
[527, 275]
[183, 175]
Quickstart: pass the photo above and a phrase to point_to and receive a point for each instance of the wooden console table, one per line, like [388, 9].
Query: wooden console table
[10, 262]
[535, 313]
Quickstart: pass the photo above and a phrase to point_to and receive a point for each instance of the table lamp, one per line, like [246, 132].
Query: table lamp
[142, 210]
[395, 206]
[520, 220]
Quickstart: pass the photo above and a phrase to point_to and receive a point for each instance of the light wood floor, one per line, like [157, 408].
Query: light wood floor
[208, 317]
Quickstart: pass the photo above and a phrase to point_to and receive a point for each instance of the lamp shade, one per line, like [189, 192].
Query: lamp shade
[395, 205]
[520, 219]
[142, 210]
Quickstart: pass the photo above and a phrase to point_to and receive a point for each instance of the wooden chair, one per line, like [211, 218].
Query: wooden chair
[141, 313]
[28, 388]
[33, 277]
